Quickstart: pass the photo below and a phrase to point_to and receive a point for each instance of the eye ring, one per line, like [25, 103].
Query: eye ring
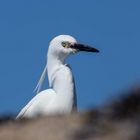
[66, 44]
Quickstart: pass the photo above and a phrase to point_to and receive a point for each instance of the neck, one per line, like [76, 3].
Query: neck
[61, 80]
[53, 64]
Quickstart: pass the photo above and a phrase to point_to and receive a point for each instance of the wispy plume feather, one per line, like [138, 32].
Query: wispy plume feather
[41, 81]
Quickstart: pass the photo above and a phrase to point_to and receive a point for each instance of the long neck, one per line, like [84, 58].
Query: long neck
[60, 75]
[53, 64]
[61, 79]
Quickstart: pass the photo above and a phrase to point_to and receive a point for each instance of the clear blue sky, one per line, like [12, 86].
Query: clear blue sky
[27, 26]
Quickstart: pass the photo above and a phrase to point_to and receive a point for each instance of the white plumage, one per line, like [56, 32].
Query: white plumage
[61, 97]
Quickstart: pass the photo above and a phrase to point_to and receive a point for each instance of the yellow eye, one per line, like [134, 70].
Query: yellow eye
[66, 44]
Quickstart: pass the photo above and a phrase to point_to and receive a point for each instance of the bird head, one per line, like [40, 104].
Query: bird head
[64, 45]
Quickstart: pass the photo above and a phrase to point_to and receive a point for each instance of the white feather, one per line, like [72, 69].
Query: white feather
[41, 81]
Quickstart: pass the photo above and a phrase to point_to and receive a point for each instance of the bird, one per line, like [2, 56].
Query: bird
[60, 98]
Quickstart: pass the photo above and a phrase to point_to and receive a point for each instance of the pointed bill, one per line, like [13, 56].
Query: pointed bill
[81, 47]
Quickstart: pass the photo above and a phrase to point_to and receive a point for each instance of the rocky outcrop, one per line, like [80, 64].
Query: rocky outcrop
[118, 120]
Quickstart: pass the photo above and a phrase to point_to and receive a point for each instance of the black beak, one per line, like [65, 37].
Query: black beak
[81, 47]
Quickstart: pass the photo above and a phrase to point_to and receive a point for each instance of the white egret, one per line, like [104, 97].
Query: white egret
[61, 97]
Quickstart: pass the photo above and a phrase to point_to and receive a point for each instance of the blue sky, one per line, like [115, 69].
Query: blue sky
[27, 26]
